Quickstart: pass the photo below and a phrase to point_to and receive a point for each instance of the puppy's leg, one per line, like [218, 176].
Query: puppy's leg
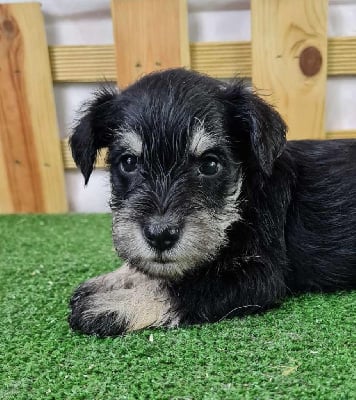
[120, 302]
[123, 277]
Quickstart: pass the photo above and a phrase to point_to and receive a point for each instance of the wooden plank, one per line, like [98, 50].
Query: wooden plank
[33, 180]
[6, 202]
[282, 30]
[219, 59]
[83, 63]
[222, 59]
[351, 134]
[342, 56]
[149, 35]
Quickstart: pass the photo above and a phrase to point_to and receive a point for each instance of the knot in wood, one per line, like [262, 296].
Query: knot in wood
[310, 61]
[8, 26]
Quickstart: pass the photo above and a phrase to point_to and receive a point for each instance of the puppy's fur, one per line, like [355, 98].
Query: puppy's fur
[214, 212]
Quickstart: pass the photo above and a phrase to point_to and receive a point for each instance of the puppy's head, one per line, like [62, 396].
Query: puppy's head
[179, 145]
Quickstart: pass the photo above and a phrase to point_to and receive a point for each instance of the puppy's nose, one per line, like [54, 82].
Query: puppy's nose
[161, 238]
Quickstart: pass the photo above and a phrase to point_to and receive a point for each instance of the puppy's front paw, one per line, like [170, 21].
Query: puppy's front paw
[88, 315]
[83, 291]
[141, 304]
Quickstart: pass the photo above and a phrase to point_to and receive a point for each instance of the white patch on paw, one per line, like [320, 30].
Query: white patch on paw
[141, 301]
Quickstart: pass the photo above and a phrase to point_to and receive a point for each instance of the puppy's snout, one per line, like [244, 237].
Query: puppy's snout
[161, 238]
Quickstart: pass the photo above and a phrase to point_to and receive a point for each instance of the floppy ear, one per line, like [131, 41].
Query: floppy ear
[94, 130]
[260, 123]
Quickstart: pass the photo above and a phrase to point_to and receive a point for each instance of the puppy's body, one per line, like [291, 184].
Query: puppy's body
[300, 236]
[215, 214]
[320, 226]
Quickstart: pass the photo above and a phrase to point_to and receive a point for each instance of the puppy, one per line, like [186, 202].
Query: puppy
[214, 213]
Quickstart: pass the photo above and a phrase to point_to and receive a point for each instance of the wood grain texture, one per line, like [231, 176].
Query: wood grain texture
[149, 35]
[31, 164]
[281, 30]
[342, 56]
[83, 63]
[218, 59]
[222, 59]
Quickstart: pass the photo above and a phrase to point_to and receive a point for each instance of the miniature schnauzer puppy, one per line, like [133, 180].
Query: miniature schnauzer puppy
[214, 213]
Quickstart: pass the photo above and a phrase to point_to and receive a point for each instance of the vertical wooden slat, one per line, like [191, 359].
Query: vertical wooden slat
[149, 35]
[30, 159]
[294, 81]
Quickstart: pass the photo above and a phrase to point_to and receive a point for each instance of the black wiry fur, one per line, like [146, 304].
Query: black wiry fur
[296, 225]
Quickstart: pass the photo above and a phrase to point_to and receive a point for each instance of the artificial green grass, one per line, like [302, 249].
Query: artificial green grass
[303, 350]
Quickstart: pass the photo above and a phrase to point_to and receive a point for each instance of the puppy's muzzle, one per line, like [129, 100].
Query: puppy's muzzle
[160, 237]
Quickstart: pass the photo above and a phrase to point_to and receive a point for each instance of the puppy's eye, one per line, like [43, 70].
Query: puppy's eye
[209, 166]
[128, 163]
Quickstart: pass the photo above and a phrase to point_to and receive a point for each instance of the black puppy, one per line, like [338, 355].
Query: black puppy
[215, 214]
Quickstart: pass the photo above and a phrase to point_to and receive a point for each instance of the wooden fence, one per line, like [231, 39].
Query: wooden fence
[289, 56]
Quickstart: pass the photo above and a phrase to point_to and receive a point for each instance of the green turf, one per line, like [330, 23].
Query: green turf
[304, 350]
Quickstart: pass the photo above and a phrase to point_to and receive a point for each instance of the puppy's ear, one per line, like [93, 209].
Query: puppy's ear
[259, 123]
[94, 130]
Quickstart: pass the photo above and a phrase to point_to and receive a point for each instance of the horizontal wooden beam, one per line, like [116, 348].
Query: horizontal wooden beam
[100, 163]
[349, 134]
[222, 59]
[342, 56]
[219, 59]
[82, 63]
